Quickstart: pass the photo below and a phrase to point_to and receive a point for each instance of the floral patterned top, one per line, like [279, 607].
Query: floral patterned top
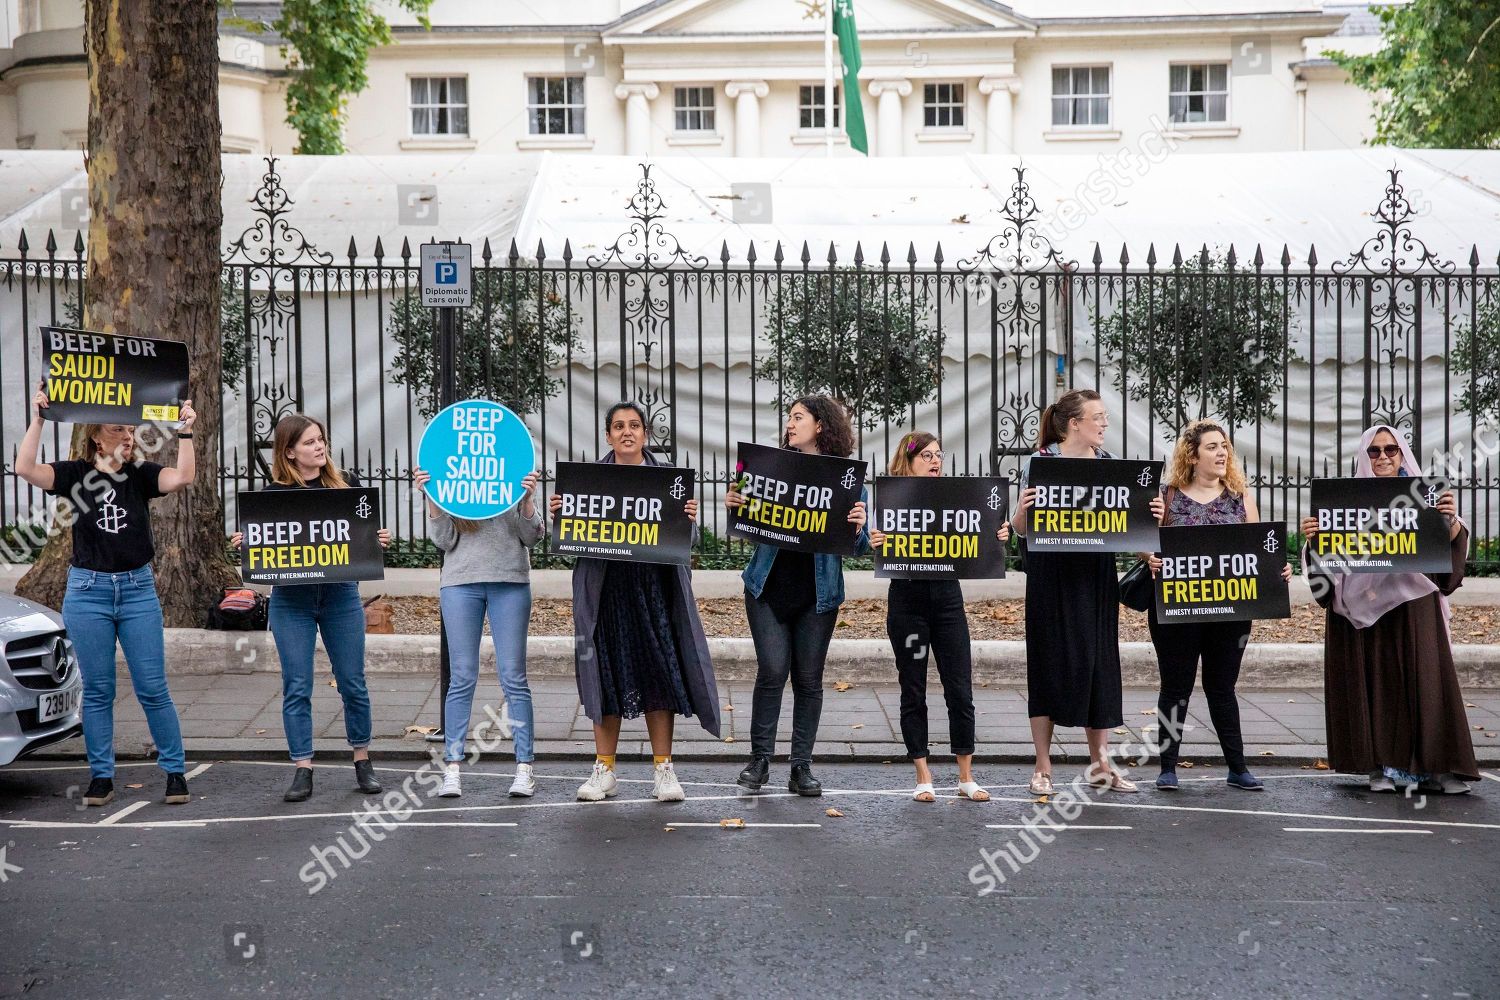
[1226, 508]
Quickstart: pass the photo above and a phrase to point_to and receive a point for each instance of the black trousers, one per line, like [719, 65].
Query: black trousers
[925, 616]
[1179, 647]
[795, 648]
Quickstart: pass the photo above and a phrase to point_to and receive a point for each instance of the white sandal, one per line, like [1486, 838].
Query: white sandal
[970, 790]
[1041, 784]
[924, 789]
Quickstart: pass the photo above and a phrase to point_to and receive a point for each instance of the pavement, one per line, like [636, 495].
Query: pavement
[1315, 887]
[230, 715]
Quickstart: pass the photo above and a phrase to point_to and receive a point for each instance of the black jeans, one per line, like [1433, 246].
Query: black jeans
[1221, 646]
[923, 615]
[796, 648]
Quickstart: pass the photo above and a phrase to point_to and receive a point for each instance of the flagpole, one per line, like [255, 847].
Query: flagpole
[828, 102]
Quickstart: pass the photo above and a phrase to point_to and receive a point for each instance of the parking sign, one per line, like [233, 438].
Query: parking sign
[447, 274]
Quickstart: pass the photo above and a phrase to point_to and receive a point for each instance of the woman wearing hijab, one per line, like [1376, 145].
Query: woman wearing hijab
[1394, 708]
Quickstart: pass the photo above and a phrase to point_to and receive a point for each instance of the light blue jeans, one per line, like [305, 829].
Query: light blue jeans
[296, 616]
[99, 610]
[508, 606]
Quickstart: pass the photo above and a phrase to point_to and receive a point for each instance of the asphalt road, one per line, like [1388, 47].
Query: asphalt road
[1313, 888]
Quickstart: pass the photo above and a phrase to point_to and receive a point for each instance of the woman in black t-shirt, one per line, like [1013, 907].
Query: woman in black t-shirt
[111, 596]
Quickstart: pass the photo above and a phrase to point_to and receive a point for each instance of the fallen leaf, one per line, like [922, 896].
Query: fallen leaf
[1321, 765]
[732, 824]
[729, 708]
[858, 725]
[830, 811]
[1306, 767]
[729, 739]
[1041, 798]
[331, 683]
[1268, 753]
[1185, 763]
[420, 730]
[1479, 729]
[1470, 704]
[1148, 711]
[260, 732]
[842, 685]
[1121, 731]
[670, 829]
[1490, 735]
[1291, 701]
[135, 786]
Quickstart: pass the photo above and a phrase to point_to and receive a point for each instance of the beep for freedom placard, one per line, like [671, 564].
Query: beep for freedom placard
[1092, 504]
[1222, 573]
[477, 452]
[311, 536]
[102, 378]
[940, 526]
[1379, 526]
[796, 501]
[634, 512]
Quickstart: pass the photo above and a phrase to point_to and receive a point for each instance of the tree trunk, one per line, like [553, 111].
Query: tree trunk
[155, 181]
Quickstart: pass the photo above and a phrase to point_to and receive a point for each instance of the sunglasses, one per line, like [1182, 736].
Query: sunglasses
[1390, 451]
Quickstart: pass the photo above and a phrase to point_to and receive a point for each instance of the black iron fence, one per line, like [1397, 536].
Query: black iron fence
[1295, 355]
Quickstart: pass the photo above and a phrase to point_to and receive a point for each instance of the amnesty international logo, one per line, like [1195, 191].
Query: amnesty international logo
[1145, 477]
[678, 491]
[993, 501]
[363, 508]
[1432, 496]
[1271, 543]
[849, 480]
[111, 516]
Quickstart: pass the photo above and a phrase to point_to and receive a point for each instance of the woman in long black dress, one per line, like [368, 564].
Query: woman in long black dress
[1394, 708]
[1072, 614]
[639, 647]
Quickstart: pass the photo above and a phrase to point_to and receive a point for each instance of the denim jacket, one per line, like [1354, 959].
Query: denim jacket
[828, 570]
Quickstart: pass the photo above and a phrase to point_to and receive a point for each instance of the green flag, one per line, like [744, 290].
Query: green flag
[854, 112]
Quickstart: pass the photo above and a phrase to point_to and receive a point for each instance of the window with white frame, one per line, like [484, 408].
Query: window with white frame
[555, 104]
[943, 105]
[1080, 95]
[812, 106]
[1199, 92]
[439, 105]
[693, 109]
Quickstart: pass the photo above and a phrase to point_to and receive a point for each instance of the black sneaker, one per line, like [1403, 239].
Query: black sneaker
[177, 790]
[364, 776]
[755, 774]
[802, 781]
[300, 790]
[101, 792]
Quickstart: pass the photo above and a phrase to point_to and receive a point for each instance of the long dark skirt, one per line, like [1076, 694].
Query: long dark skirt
[640, 669]
[1073, 639]
[1393, 698]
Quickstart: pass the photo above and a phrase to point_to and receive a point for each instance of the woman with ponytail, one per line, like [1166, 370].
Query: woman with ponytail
[1072, 614]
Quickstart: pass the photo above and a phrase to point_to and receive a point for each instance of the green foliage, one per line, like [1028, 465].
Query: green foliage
[1437, 76]
[505, 358]
[1173, 320]
[865, 347]
[327, 46]
[1474, 355]
[412, 553]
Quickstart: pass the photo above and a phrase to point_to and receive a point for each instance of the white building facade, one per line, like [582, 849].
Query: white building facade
[711, 78]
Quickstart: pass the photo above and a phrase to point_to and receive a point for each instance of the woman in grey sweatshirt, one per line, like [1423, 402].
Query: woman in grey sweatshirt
[487, 571]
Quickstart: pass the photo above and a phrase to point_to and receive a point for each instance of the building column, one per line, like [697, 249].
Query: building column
[637, 98]
[746, 95]
[999, 112]
[889, 133]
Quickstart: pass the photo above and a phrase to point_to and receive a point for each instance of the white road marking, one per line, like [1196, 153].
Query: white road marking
[120, 814]
[198, 770]
[1065, 826]
[1342, 829]
[1286, 815]
[70, 767]
[1492, 777]
[816, 826]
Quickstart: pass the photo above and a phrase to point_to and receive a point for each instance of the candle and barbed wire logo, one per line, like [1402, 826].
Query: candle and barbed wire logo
[1145, 478]
[1271, 543]
[994, 500]
[111, 516]
[849, 480]
[363, 508]
[678, 491]
[1431, 496]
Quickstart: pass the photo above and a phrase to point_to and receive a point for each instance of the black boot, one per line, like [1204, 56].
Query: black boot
[364, 776]
[300, 790]
[803, 782]
[177, 790]
[755, 774]
[101, 792]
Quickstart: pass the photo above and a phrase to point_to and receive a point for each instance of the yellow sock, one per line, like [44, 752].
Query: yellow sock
[607, 759]
[661, 759]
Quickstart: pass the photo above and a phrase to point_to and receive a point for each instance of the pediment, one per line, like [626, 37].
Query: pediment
[710, 17]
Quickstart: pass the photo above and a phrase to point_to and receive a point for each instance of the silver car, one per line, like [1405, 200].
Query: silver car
[41, 686]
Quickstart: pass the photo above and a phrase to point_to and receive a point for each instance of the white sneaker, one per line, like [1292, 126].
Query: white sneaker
[667, 787]
[601, 785]
[1380, 783]
[450, 789]
[1445, 784]
[525, 785]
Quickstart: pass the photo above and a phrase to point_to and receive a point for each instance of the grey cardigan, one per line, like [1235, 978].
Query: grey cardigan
[496, 551]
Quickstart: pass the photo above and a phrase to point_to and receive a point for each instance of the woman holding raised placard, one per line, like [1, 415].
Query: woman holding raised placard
[929, 614]
[638, 644]
[1204, 485]
[1394, 708]
[111, 596]
[792, 600]
[299, 460]
[486, 572]
[1072, 614]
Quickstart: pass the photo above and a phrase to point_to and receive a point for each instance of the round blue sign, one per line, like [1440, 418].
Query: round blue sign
[477, 452]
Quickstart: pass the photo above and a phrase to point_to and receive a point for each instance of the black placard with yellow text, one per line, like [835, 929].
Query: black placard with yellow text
[631, 512]
[796, 501]
[1092, 504]
[1222, 573]
[940, 526]
[102, 378]
[304, 536]
[1379, 525]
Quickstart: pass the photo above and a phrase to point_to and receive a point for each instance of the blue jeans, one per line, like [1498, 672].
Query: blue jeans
[99, 610]
[509, 609]
[297, 614]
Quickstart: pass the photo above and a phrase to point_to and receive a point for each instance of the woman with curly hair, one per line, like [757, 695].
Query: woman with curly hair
[1204, 485]
[792, 600]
